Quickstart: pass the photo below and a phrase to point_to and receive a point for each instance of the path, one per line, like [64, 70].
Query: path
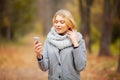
[18, 62]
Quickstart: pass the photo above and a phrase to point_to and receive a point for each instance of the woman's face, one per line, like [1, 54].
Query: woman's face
[60, 26]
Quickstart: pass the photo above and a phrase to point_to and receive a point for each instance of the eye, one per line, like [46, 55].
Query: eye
[56, 21]
[62, 21]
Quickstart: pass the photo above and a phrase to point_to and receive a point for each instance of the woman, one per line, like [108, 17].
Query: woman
[64, 52]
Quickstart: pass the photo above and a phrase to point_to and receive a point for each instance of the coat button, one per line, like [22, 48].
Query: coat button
[59, 64]
[59, 76]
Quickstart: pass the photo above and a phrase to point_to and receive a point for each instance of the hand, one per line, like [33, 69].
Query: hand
[38, 48]
[74, 37]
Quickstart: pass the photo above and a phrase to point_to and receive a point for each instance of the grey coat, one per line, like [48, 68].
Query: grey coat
[64, 64]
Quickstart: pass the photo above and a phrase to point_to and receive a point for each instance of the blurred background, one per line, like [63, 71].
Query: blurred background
[21, 20]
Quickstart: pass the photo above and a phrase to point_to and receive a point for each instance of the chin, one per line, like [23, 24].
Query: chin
[59, 32]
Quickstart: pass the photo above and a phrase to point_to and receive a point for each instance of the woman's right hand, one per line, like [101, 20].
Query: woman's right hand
[38, 49]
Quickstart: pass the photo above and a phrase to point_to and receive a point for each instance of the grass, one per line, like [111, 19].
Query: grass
[95, 48]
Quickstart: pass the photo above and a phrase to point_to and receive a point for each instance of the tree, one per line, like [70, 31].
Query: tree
[6, 21]
[85, 21]
[15, 17]
[47, 10]
[5, 28]
[107, 25]
[2, 2]
[117, 21]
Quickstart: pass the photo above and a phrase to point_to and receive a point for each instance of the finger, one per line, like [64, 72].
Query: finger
[37, 45]
[69, 32]
[40, 47]
[35, 42]
[39, 50]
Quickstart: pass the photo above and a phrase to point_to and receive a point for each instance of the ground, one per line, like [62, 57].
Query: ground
[18, 62]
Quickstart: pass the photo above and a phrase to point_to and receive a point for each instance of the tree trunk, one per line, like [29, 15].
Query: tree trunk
[47, 11]
[85, 22]
[7, 20]
[0, 19]
[51, 8]
[2, 6]
[106, 30]
[0, 33]
[117, 7]
[88, 13]
[8, 33]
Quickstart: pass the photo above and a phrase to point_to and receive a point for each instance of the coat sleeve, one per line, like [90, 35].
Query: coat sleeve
[43, 63]
[79, 56]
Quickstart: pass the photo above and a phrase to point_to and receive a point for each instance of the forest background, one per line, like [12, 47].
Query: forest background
[21, 20]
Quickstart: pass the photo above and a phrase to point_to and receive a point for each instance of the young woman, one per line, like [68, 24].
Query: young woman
[64, 51]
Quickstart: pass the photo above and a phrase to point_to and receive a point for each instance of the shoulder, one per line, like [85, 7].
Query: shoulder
[80, 37]
[47, 43]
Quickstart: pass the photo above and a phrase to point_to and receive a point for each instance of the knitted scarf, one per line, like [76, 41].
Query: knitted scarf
[59, 41]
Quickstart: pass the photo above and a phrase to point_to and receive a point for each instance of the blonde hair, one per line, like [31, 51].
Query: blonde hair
[69, 20]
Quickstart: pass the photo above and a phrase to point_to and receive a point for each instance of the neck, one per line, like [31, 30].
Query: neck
[62, 34]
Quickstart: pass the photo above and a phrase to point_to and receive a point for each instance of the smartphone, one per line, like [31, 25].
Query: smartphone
[36, 38]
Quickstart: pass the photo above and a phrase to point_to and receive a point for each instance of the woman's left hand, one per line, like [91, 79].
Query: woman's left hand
[74, 37]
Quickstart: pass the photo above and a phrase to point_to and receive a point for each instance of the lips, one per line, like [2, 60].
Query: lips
[58, 29]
